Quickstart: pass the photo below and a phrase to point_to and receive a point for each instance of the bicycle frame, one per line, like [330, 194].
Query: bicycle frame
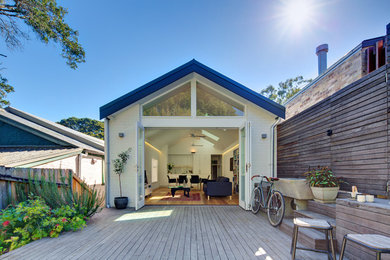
[260, 186]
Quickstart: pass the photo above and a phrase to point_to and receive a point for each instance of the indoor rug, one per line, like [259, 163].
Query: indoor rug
[194, 196]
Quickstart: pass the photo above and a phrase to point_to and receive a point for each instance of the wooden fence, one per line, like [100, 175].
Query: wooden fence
[9, 177]
[357, 148]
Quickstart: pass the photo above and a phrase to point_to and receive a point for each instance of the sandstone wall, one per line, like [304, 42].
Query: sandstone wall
[341, 76]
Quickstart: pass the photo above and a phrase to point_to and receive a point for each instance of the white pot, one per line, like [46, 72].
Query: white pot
[325, 194]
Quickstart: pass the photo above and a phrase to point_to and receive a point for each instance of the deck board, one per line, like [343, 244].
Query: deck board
[189, 232]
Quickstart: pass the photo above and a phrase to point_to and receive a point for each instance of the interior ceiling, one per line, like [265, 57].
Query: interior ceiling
[164, 136]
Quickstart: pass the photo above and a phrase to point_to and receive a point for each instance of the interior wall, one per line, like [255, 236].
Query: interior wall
[226, 172]
[201, 157]
[150, 154]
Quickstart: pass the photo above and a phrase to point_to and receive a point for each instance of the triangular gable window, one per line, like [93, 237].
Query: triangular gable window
[175, 103]
[211, 103]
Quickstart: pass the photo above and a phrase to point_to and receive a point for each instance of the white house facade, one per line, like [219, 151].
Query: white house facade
[186, 117]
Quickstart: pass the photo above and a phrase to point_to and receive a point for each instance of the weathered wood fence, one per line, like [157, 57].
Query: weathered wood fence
[9, 177]
[348, 131]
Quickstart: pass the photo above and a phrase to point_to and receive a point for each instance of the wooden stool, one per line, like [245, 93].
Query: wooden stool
[318, 224]
[377, 243]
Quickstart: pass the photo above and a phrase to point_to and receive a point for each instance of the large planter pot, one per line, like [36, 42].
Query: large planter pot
[325, 194]
[121, 202]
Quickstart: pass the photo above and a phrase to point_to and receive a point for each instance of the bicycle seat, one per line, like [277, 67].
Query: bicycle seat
[270, 179]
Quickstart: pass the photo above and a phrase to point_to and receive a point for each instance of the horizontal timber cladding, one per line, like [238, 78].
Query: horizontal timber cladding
[358, 148]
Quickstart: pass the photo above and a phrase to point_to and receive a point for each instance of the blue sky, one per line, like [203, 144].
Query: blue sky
[129, 43]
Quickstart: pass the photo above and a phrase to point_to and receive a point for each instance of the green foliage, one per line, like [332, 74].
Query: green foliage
[285, 90]
[87, 201]
[179, 104]
[119, 165]
[87, 126]
[34, 219]
[5, 89]
[322, 176]
[209, 105]
[170, 166]
[47, 20]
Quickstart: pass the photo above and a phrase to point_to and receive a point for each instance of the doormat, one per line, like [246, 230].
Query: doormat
[179, 196]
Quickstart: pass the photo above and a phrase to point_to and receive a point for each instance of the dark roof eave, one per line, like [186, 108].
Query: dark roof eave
[189, 67]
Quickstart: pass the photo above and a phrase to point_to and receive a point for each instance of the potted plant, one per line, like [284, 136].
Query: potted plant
[170, 167]
[119, 165]
[323, 184]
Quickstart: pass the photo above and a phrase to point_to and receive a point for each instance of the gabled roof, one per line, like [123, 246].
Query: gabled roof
[54, 132]
[16, 157]
[189, 67]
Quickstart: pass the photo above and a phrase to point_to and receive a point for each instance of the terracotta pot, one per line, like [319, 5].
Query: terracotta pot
[325, 194]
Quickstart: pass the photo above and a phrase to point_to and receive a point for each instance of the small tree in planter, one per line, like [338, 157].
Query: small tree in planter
[323, 183]
[119, 166]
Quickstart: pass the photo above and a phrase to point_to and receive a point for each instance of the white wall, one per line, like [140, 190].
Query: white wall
[66, 163]
[123, 122]
[150, 154]
[261, 122]
[180, 154]
[91, 171]
[226, 164]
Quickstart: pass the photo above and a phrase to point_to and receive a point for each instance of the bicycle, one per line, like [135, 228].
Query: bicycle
[273, 202]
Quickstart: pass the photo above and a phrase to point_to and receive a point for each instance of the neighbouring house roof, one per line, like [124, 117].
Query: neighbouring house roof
[31, 156]
[363, 44]
[56, 133]
[189, 67]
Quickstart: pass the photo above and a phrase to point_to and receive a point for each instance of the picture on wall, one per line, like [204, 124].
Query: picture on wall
[231, 164]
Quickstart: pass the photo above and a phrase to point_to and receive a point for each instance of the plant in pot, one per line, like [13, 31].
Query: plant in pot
[323, 184]
[170, 167]
[119, 166]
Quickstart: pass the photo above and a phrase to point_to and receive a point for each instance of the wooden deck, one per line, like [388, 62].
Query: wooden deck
[168, 232]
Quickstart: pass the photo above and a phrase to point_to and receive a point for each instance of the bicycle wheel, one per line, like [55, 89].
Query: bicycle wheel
[275, 209]
[256, 200]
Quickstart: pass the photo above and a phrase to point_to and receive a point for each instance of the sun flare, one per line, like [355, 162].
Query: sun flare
[297, 16]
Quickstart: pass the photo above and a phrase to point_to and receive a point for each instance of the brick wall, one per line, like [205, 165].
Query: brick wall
[341, 76]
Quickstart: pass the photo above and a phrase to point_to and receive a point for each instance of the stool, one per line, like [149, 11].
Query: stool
[318, 224]
[377, 243]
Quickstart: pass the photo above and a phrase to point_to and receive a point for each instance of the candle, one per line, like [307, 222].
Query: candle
[370, 198]
[361, 198]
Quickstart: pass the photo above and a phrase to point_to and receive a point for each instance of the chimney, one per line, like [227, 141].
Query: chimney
[322, 59]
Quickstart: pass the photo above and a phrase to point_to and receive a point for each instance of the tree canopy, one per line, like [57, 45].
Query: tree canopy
[285, 90]
[87, 126]
[46, 19]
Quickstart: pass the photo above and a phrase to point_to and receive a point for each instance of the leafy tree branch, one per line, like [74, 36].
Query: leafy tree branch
[285, 90]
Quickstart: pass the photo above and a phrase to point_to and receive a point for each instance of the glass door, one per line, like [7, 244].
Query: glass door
[140, 195]
[244, 165]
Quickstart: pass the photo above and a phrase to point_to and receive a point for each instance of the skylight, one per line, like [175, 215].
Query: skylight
[210, 135]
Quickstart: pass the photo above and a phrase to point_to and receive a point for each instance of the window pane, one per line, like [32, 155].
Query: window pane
[175, 103]
[210, 103]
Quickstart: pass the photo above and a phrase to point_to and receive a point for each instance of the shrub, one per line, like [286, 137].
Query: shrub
[33, 219]
[87, 201]
[322, 176]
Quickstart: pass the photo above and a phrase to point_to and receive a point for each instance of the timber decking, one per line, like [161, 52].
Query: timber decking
[189, 232]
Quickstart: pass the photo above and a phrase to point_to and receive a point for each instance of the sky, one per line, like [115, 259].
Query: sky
[129, 43]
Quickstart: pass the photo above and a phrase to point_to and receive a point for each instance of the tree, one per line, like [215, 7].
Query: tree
[87, 126]
[5, 88]
[285, 90]
[46, 19]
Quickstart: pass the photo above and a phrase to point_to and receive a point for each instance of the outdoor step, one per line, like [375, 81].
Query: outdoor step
[328, 209]
[307, 237]
[315, 215]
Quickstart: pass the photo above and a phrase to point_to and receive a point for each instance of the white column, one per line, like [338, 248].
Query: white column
[193, 98]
